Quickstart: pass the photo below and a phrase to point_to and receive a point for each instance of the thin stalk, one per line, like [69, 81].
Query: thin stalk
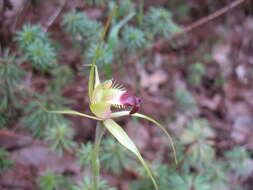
[95, 155]
[140, 14]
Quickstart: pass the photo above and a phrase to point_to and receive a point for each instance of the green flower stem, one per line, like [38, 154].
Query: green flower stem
[140, 15]
[95, 155]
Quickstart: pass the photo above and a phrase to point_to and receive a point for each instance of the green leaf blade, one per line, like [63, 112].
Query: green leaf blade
[114, 33]
[126, 113]
[123, 139]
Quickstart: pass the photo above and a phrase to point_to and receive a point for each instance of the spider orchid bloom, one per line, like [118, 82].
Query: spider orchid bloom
[105, 95]
[110, 94]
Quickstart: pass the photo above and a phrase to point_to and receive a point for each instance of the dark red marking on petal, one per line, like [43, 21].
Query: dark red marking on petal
[137, 105]
[127, 99]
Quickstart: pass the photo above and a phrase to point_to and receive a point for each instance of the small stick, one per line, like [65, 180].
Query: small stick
[52, 18]
[199, 23]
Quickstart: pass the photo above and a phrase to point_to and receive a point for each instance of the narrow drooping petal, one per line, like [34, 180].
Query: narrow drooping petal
[117, 131]
[71, 112]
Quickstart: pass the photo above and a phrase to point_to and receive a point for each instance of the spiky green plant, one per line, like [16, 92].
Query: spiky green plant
[37, 120]
[81, 28]
[61, 75]
[104, 54]
[61, 138]
[5, 161]
[84, 154]
[198, 135]
[159, 22]
[189, 182]
[50, 181]
[41, 54]
[123, 7]
[185, 99]
[133, 38]
[36, 47]
[11, 75]
[96, 3]
[169, 178]
[239, 161]
[113, 157]
[86, 184]
[29, 34]
[196, 72]
[162, 172]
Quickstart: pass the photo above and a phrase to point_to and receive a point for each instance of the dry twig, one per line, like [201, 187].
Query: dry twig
[55, 14]
[199, 23]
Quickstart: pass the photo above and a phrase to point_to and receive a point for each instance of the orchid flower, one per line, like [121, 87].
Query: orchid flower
[103, 96]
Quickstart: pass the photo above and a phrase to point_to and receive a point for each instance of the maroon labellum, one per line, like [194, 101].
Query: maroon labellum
[127, 99]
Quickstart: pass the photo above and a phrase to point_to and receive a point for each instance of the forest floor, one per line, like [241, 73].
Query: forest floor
[223, 95]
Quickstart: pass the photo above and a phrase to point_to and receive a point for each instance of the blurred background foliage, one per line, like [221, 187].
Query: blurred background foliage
[37, 69]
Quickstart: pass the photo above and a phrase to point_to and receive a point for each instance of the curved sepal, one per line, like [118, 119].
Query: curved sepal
[123, 139]
[126, 113]
[71, 112]
[93, 79]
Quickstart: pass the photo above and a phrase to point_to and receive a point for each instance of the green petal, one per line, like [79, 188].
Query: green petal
[126, 113]
[101, 109]
[120, 114]
[123, 139]
[71, 112]
[97, 94]
[93, 83]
